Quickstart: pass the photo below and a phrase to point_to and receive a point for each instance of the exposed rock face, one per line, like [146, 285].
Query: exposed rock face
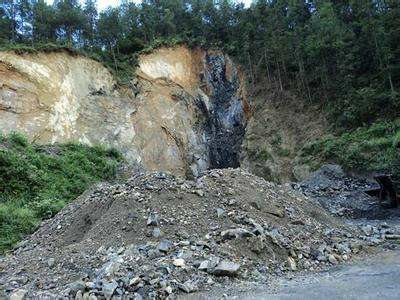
[276, 134]
[185, 112]
[226, 121]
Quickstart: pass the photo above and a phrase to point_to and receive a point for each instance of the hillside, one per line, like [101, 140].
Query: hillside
[162, 148]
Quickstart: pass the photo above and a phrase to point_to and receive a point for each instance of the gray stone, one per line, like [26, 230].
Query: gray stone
[152, 219]
[393, 236]
[137, 296]
[203, 265]
[79, 295]
[258, 229]
[188, 287]
[292, 264]
[343, 248]
[51, 262]
[19, 295]
[220, 212]
[154, 253]
[236, 233]
[199, 193]
[367, 229]
[76, 286]
[156, 232]
[109, 289]
[164, 246]
[226, 268]
[332, 259]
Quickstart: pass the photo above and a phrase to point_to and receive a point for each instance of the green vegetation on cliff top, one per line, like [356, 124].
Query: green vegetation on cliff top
[37, 181]
[341, 55]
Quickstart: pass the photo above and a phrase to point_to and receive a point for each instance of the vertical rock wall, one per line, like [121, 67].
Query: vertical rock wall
[185, 112]
[226, 118]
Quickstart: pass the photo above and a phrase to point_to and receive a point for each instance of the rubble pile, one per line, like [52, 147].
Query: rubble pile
[340, 194]
[156, 236]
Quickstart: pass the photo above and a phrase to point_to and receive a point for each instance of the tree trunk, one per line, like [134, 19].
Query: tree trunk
[279, 74]
[267, 64]
[251, 67]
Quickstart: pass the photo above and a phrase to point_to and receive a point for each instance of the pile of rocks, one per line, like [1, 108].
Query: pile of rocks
[341, 194]
[156, 236]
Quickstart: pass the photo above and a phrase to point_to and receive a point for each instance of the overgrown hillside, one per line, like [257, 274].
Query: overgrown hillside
[37, 181]
[341, 55]
[369, 148]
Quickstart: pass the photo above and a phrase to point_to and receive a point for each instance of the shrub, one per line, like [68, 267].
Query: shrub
[37, 181]
[368, 148]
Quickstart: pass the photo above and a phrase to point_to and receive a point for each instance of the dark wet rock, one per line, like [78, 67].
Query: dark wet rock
[341, 194]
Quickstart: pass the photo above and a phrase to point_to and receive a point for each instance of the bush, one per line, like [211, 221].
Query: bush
[37, 181]
[369, 148]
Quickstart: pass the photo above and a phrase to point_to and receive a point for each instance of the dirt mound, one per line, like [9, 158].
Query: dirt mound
[158, 235]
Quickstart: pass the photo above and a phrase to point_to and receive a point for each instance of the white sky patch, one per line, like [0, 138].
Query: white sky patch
[102, 4]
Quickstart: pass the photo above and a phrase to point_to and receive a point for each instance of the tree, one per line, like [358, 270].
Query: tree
[69, 20]
[90, 21]
[43, 22]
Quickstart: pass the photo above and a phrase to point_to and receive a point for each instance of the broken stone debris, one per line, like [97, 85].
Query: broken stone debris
[122, 252]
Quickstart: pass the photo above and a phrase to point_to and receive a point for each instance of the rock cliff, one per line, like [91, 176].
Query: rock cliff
[185, 112]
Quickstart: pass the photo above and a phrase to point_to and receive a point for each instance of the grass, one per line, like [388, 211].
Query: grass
[39, 47]
[38, 181]
[369, 148]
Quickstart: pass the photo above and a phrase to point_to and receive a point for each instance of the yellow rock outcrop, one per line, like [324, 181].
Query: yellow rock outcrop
[159, 121]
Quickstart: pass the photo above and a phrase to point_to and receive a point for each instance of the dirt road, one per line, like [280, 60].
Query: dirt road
[377, 277]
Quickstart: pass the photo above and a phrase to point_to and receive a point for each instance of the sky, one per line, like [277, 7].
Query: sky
[102, 4]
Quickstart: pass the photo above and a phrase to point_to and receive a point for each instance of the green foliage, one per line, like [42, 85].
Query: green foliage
[341, 55]
[264, 155]
[283, 152]
[369, 148]
[37, 181]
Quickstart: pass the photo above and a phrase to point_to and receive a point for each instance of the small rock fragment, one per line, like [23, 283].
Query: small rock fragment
[51, 262]
[156, 232]
[292, 263]
[367, 229]
[164, 246]
[76, 286]
[178, 262]
[236, 233]
[19, 295]
[203, 265]
[226, 268]
[109, 288]
[152, 219]
[199, 193]
[188, 287]
[332, 259]
[79, 295]
[220, 212]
